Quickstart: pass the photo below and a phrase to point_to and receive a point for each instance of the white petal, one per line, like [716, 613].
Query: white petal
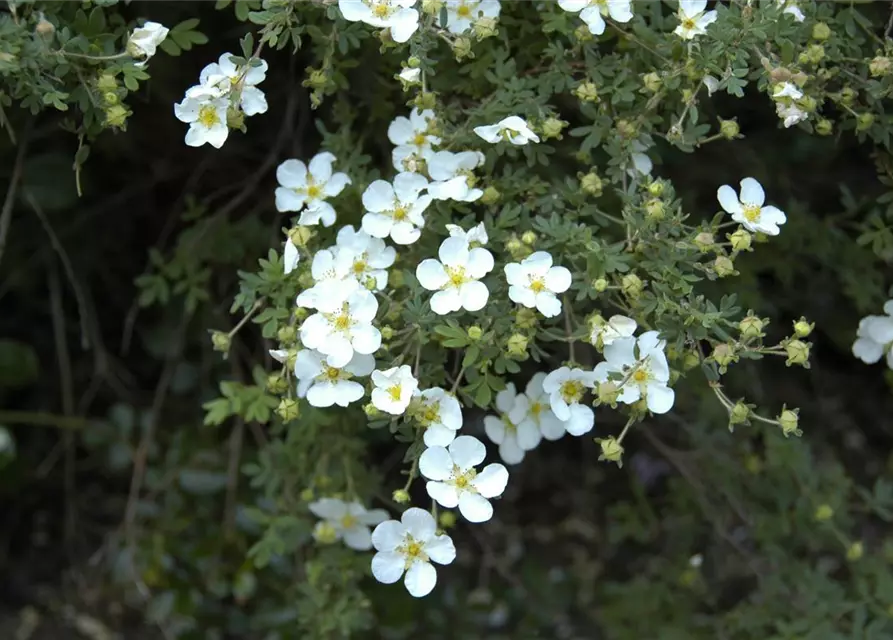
[447, 301]
[474, 295]
[436, 463]
[558, 279]
[480, 262]
[581, 420]
[358, 537]
[440, 549]
[377, 225]
[728, 199]
[378, 196]
[495, 429]
[867, 350]
[660, 398]
[491, 481]
[548, 304]
[388, 535]
[438, 435]
[752, 192]
[419, 523]
[528, 435]
[444, 494]
[387, 566]
[292, 174]
[421, 578]
[467, 452]
[320, 166]
[475, 508]
[511, 452]
[431, 274]
[328, 508]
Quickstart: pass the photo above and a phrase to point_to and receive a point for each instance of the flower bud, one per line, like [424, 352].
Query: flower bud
[631, 285]
[740, 240]
[691, 360]
[552, 128]
[45, 27]
[821, 31]
[864, 121]
[305, 279]
[724, 355]
[612, 450]
[583, 34]
[626, 129]
[447, 519]
[516, 346]
[106, 82]
[491, 196]
[847, 96]
[751, 328]
[474, 332]
[824, 512]
[425, 100]
[220, 341]
[300, 313]
[855, 551]
[655, 209]
[591, 184]
[704, 241]
[110, 98]
[723, 266]
[484, 28]
[789, 422]
[656, 188]
[652, 82]
[400, 496]
[371, 410]
[824, 127]
[599, 284]
[798, 352]
[462, 48]
[525, 318]
[739, 414]
[607, 393]
[306, 495]
[235, 118]
[729, 129]
[802, 328]
[586, 92]
[288, 409]
[324, 533]
[815, 53]
[276, 383]
[880, 66]
[516, 248]
[528, 237]
[116, 115]
[387, 332]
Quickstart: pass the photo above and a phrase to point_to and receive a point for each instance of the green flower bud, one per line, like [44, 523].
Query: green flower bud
[591, 184]
[880, 66]
[632, 286]
[400, 496]
[807, 103]
[301, 235]
[395, 279]
[371, 410]
[802, 328]
[484, 28]
[864, 121]
[516, 346]
[723, 266]
[607, 393]
[655, 209]
[287, 334]
[586, 92]
[425, 100]
[599, 284]
[652, 82]
[324, 533]
[306, 495]
[525, 318]
[724, 355]
[612, 450]
[413, 62]
[475, 332]
[316, 79]
[740, 240]
[824, 127]
[235, 118]
[821, 31]
[491, 196]
[704, 241]
[516, 248]
[815, 53]
[462, 48]
[288, 409]
[106, 82]
[220, 341]
[798, 352]
[847, 96]
[447, 519]
[739, 414]
[300, 313]
[751, 328]
[387, 332]
[656, 188]
[824, 512]
[116, 115]
[729, 129]
[691, 360]
[855, 551]
[626, 129]
[276, 383]
[789, 422]
[583, 34]
[110, 98]
[305, 279]
[552, 128]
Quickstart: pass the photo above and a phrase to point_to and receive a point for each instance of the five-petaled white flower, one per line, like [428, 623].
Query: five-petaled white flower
[412, 139]
[456, 276]
[640, 369]
[206, 116]
[475, 237]
[343, 324]
[396, 210]
[369, 257]
[224, 78]
[462, 14]
[748, 210]
[330, 266]
[324, 385]
[410, 545]
[350, 521]
[566, 388]
[453, 177]
[693, 19]
[454, 481]
[593, 11]
[514, 129]
[301, 186]
[513, 441]
[145, 40]
[396, 15]
[532, 409]
[439, 413]
[394, 389]
[874, 337]
[605, 332]
[534, 282]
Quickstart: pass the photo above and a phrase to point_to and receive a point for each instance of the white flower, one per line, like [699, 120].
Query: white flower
[410, 545]
[645, 374]
[412, 140]
[693, 20]
[369, 257]
[343, 324]
[514, 129]
[439, 413]
[454, 481]
[393, 389]
[411, 75]
[566, 388]
[462, 14]
[641, 163]
[329, 267]
[787, 90]
[207, 120]
[534, 282]
[874, 337]
[453, 177]
[223, 77]
[302, 186]
[291, 256]
[606, 332]
[533, 410]
[748, 209]
[785, 95]
[349, 520]
[791, 8]
[711, 83]
[456, 276]
[324, 385]
[143, 41]
[396, 210]
[396, 15]
[513, 440]
[475, 237]
[593, 11]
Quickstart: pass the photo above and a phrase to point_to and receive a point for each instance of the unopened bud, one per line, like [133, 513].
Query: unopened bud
[106, 82]
[612, 450]
[656, 188]
[704, 241]
[751, 328]
[400, 496]
[802, 328]
[491, 196]
[655, 209]
[528, 237]
[525, 318]
[739, 414]
[815, 53]
[447, 519]
[306, 495]
[855, 551]
[276, 383]
[691, 360]
[462, 48]
[475, 332]
[821, 31]
[387, 332]
[632, 286]
[789, 422]
[552, 128]
[741, 240]
[583, 34]
[591, 183]
[651, 81]
[723, 266]
[729, 129]
[599, 284]
[824, 512]
[586, 92]
[288, 409]
[847, 96]
[864, 121]
[516, 346]
[116, 115]
[45, 27]
[798, 352]
[220, 341]
[626, 129]
[880, 66]
[484, 28]
[235, 118]
[824, 127]
[724, 355]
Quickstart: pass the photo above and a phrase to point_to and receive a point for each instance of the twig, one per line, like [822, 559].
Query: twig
[41, 419]
[6, 212]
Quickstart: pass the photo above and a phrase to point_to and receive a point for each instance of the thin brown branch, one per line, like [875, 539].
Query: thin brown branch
[15, 178]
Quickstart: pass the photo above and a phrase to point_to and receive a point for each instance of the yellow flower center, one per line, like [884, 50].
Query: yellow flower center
[348, 521]
[751, 212]
[400, 214]
[537, 285]
[640, 376]
[571, 391]
[456, 276]
[536, 409]
[464, 11]
[419, 139]
[462, 480]
[342, 322]
[207, 115]
[412, 550]
[689, 24]
[429, 414]
[359, 267]
[395, 392]
[331, 374]
[381, 10]
[314, 191]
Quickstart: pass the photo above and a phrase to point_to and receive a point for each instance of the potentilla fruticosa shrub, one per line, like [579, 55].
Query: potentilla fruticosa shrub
[519, 253]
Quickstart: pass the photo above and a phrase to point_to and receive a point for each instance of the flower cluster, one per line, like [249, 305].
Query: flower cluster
[874, 337]
[226, 93]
